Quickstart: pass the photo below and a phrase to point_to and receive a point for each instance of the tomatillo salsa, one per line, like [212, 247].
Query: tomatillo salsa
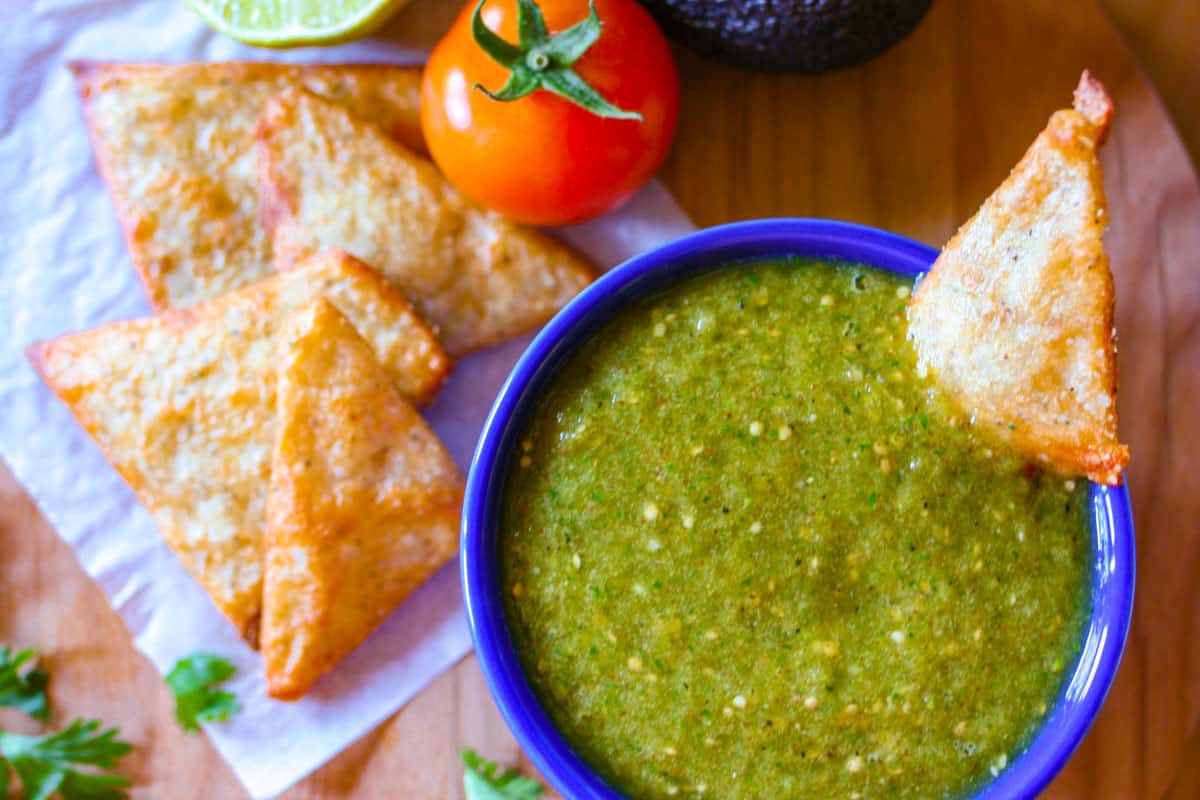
[747, 552]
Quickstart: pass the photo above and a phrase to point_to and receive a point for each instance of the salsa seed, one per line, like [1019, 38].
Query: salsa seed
[1070, 486]
[650, 512]
[688, 521]
[880, 448]
[898, 637]
[672, 790]
[697, 449]
[785, 432]
[660, 329]
[525, 462]
[756, 527]
[634, 663]
[902, 292]
[517, 589]
[576, 561]
[739, 702]
[885, 466]
[756, 428]
[854, 764]
[960, 730]
[827, 648]
[727, 711]
[654, 545]
[978, 634]
[710, 635]
[827, 300]
[811, 703]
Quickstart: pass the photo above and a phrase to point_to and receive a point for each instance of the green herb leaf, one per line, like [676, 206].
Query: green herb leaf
[45, 765]
[484, 780]
[501, 51]
[23, 690]
[565, 83]
[531, 26]
[541, 61]
[191, 681]
[568, 46]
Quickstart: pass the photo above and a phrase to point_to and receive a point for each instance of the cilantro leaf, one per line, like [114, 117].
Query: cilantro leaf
[191, 681]
[483, 780]
[45, 764]
[24, 690]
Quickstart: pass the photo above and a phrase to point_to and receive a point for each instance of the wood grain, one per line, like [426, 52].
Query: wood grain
[1165, 36]
[913, 142]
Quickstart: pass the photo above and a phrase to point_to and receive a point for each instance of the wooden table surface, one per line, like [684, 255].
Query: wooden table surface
[912, 142]
[1165, 37]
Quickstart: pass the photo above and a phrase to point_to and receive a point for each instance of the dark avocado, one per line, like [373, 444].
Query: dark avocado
[789, 35]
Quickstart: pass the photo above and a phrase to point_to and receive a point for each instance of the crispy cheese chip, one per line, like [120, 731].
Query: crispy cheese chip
[1015, 319]
[328, 179]
[175, 145]
[183, 405]
[363, 506]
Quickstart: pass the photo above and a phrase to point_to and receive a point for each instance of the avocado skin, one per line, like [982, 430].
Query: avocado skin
[789, 35]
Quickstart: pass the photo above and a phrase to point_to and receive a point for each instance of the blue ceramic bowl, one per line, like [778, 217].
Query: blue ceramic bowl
[1111, 520]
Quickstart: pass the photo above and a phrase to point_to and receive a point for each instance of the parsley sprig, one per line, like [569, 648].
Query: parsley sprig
[485, 780]
[47, 765]
[192, 680]
[20, 687]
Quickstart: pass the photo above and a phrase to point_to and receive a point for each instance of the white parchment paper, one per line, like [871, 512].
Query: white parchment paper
[64, 267]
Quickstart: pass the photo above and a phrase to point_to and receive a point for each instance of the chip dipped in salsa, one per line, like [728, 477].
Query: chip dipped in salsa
[748, 550]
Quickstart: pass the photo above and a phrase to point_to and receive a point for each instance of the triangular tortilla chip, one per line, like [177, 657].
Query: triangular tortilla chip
[1015, 320]
[328, 179]
[363, 507]
[183, 405]
[175, 145]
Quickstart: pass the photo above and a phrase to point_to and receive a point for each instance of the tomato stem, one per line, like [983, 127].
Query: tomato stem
[542, 61]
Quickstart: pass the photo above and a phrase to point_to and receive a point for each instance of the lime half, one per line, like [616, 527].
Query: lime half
[292, 23]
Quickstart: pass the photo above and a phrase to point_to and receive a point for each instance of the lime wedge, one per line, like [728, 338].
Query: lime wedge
[292, 23]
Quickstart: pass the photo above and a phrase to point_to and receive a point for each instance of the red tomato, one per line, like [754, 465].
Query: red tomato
[542, 159]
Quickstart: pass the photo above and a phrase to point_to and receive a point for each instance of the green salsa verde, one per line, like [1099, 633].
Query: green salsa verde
[747, 552]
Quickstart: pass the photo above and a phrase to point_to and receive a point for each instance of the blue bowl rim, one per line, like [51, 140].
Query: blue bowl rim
[1063, 727]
